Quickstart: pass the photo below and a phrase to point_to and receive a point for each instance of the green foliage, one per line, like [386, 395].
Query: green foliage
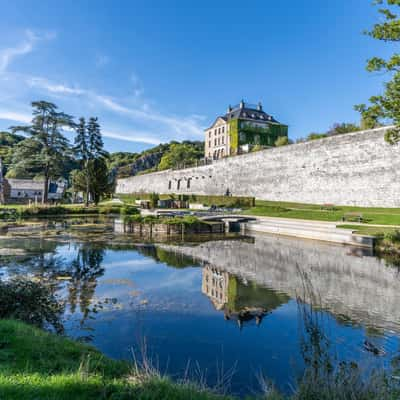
[129, 210]
[93, 178]
[344, 127]
[335, 129]
[121, 159]
[386, 106]
[180, 155]
[393, 237]
[282, 141]
[154, 197]
[31, 302]
[223, 201]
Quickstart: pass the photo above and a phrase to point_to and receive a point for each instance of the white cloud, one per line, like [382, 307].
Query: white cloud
[15, 116]
[7, 55]
[133, 136]
[174, 126]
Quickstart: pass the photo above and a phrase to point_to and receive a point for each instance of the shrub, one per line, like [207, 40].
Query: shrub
[129, 210]
[31, 302]
[154, 197]
[393, 237]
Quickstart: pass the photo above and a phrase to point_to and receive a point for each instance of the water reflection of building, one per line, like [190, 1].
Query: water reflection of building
[215, 285]
[240, 301]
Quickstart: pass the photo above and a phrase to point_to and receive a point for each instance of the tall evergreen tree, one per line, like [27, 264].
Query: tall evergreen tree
[89, 148]
[46, 148]
[82, 153]
[95, 143]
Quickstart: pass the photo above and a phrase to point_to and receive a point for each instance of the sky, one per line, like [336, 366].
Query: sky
[159, 70]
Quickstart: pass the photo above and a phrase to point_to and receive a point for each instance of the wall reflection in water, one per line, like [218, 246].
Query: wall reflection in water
[353, 285]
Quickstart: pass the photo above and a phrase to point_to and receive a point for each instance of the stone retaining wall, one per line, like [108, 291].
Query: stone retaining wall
[358, 168]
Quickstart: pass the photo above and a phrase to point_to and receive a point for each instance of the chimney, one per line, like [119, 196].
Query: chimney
[259, 106]
[241, 104]
[229, 108]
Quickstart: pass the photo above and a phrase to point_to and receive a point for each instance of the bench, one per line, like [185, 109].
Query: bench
[351, 216]
[328, 207]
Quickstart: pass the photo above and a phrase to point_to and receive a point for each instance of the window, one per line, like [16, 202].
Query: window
[219, 130]
[178, 186]
[209, 143]
[209, 134]
[223, 129]
[215, 132]
[222, 140]
[219, 141]
[188, 183]
[222, 152]
[169, 185]
[215, 142]
[242, 136]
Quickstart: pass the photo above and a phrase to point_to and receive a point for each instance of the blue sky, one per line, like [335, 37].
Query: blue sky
[154, 71]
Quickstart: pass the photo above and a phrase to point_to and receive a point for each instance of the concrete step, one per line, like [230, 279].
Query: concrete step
[298, 225]
[324, 232]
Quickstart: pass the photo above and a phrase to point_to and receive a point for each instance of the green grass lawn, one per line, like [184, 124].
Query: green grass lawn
[370, 215]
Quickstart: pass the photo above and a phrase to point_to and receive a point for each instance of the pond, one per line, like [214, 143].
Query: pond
[226, 310]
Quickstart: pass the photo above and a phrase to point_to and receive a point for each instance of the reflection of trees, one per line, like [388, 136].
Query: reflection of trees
[172, 259]
[84, 271]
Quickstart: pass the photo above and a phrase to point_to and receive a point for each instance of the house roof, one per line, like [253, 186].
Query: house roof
[30, 184]
[247, 114]
[25, 184]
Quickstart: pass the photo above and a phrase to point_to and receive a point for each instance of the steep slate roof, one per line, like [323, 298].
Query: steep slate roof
[249, 114]
[246, 114]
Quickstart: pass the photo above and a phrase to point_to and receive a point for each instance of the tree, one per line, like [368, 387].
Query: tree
[81, 150]
[344, 127]
[180, 154]
[45, 149]
[385, 107]
[93, 179]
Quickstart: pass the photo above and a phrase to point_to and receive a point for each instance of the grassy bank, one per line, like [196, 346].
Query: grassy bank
[370, 215]
[35, 364]
[21, 211]
[219, 201]
[39, 365]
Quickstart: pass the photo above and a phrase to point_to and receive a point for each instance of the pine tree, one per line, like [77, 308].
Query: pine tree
[89, 149]
[82, 153]
[95, 142]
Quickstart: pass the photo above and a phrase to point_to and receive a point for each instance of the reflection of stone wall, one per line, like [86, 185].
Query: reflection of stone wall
[361, 288]
[352, 169]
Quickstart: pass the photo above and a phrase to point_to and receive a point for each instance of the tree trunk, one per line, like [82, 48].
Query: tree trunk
[45, 196]
[87, 183]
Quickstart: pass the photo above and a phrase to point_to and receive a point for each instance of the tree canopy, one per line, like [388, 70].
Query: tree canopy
[386, 106]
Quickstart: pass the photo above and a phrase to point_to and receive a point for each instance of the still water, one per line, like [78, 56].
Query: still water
[226, 310]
